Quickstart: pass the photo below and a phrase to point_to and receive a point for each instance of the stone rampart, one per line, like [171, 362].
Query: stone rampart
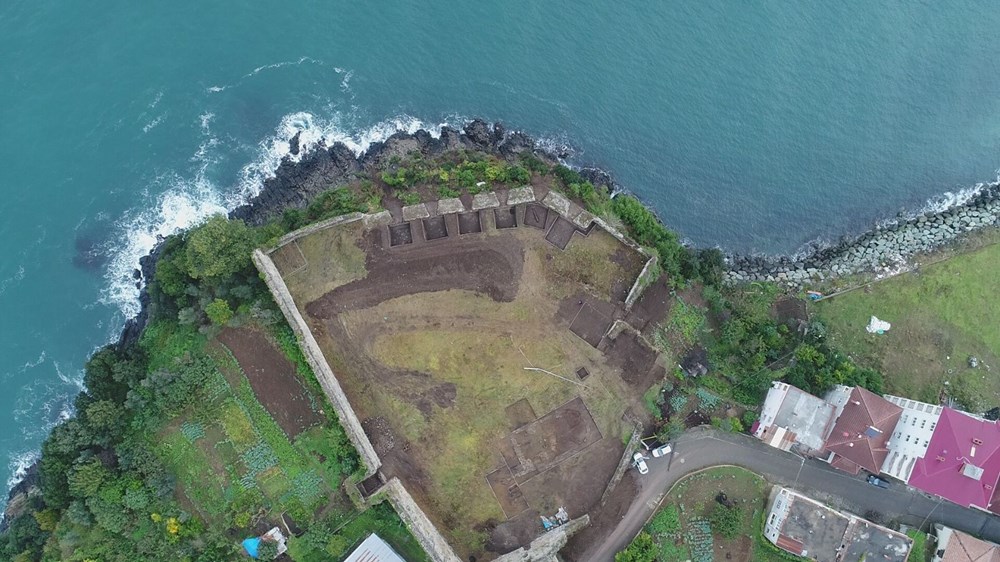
[416, 520]
[331, 386]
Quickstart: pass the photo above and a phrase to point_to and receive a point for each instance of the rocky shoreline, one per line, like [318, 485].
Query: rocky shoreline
[881, 250]
[885, 249]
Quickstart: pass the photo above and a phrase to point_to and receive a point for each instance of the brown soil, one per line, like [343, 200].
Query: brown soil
[560, 233]
[590, 325]
[380, 434]
[520, 413]
[490, 266]
[536, 215]
[555, 436]
[273, 379]
[636, 359]
[651, 308]
[604, 519]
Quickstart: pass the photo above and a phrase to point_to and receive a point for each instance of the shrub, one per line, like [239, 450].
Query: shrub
[641, 549]
[726, 521]
[218, 312]
[408, 197]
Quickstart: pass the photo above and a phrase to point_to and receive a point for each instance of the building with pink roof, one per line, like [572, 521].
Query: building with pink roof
[962, 463]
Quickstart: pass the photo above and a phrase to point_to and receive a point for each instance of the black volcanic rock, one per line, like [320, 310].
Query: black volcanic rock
[478, 133]
[516, 143]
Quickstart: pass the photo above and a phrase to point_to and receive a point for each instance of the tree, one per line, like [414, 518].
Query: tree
[86, 477]
[641, 549]
[218, 312]
[218, 249]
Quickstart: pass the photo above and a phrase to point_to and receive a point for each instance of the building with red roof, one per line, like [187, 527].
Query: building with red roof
[962, 463]
[860, 436]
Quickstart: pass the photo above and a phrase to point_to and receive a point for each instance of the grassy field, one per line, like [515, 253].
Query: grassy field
[591, 264]
[319, 274]
[486, 362]
[686, 529]
[940, 315]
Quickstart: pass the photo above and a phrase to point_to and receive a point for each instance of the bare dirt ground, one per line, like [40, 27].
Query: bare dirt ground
[459, 357]
[273, 380]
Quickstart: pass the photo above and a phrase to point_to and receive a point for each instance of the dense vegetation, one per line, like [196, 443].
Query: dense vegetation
[124, 479]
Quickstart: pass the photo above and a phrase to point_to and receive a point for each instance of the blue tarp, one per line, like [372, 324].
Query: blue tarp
[252, 545]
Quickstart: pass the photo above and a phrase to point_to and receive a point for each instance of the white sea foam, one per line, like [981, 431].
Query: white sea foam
[186, 202]
[13, 279]
[259, 69]
[315, 132]
[156, 121]
[35, 363]
[19, 464]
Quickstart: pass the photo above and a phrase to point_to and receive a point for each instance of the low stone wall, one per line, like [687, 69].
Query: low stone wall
[416, 520]
[882, 250]
[623, 464]
[348, 419]
[382, 217]
[546, 547]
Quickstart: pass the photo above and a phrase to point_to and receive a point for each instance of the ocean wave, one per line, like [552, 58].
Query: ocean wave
[259, 69]
[18, 466]
[314, 133]
[152, 124]
[13, 279]
[186, 202]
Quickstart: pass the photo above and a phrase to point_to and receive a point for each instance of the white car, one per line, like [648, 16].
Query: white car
[661, 451]
[640, 463]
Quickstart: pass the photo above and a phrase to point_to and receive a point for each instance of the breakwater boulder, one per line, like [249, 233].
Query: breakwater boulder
[886, 248]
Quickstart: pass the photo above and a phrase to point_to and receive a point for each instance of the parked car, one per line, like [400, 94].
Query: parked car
[640, 463]
[876, 481]
[661, 451]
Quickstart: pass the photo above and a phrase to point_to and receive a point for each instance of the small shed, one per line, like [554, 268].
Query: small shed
[374, 549]
[252, 544]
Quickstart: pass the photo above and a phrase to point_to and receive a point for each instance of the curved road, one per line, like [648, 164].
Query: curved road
[704, 448]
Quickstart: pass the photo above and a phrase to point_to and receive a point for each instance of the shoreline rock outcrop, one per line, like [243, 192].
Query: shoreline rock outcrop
[886, 248]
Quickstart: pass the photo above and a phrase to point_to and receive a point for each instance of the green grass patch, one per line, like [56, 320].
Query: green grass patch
[687, 321]
[940, 317]
[919, 552]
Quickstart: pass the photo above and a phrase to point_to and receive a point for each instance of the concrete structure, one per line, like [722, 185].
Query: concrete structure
[962, 463]
[791, 416]
[861, 433]
[374, 549]
[911, 437]
[807, 528]
[956, 546]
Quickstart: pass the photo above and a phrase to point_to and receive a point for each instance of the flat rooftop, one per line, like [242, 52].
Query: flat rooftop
[812, 530]
[805, 415]
[818, 529]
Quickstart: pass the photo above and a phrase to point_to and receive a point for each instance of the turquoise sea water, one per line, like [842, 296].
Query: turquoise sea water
[757, 126]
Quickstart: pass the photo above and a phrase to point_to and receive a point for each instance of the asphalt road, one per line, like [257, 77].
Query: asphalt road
[706, 448]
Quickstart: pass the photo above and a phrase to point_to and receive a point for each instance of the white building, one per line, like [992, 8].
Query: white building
[790, 416]
[374, 549]
[911, 437]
